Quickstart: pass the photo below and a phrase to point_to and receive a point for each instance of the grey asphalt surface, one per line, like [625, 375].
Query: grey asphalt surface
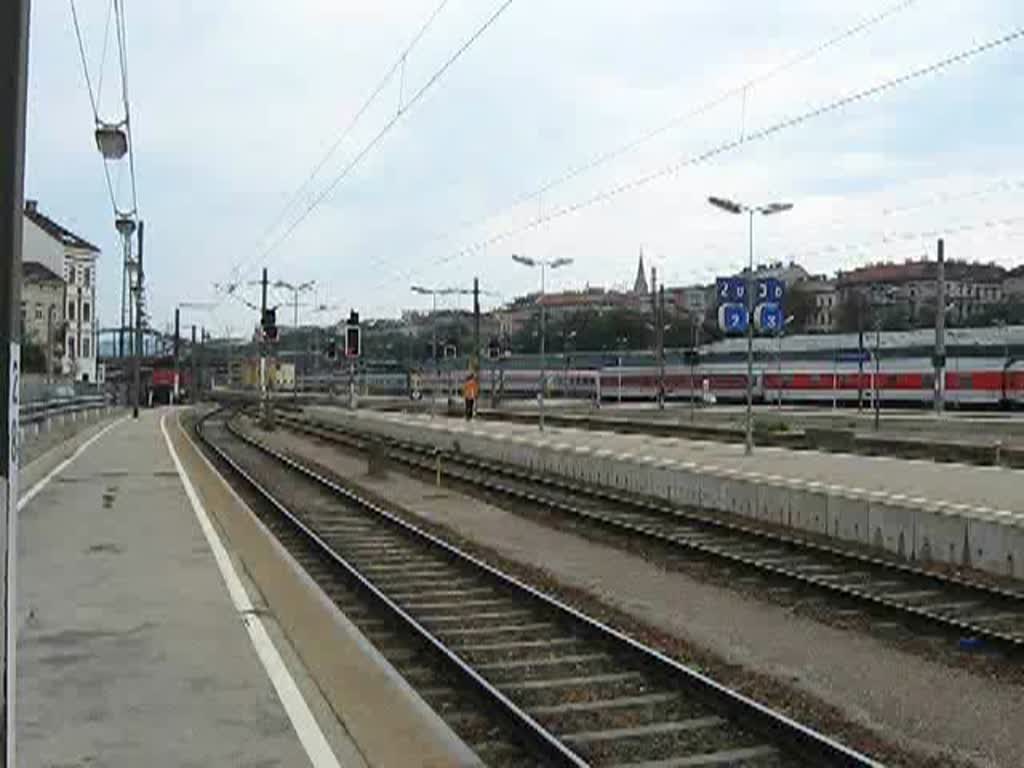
[130, 652]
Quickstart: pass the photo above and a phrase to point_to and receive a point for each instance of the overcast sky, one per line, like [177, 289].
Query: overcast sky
[234, 102]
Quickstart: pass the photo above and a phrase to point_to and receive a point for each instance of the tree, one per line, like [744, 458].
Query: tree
[33, 357]
[851, 311]
[800, 304]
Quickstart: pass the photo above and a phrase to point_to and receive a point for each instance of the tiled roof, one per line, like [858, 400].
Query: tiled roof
[55, 230]
[34, 272]
[921, 270]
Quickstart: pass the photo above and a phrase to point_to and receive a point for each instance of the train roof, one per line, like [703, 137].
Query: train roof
[955, 337]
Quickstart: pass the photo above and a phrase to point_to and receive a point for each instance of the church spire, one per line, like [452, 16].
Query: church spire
[640, 284]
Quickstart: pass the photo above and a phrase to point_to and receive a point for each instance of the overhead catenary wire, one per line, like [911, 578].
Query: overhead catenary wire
[93, 103]
[605, 157]
[379, 136]
[121, 24]
[103, 54]
[368, 147]
[399, 64]
[733, 144]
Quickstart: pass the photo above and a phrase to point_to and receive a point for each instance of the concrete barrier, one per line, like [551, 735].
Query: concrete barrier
[808, 507]
[903, 526]
[996, 545]
[892, 525]
[848, 517]
[940, 536]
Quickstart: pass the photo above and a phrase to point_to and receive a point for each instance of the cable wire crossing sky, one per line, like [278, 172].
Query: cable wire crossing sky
[367, 146]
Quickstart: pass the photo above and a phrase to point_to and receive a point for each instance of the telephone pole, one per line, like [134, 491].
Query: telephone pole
[13, 83]
[940, 330]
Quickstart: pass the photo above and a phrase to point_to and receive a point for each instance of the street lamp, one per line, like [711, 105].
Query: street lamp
[296, 290]
[769, 209]
[544, 265]
[435, 292]
[111, 141]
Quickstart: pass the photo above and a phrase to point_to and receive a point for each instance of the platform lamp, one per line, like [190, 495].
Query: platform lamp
[544, 265]
[769, 209]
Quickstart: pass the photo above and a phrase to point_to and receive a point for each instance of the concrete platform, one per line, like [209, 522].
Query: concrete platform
[142, 640]
[918, 509]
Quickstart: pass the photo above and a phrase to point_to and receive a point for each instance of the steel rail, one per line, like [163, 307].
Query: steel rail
[546, 743]
[1010, 642]
[798, 739]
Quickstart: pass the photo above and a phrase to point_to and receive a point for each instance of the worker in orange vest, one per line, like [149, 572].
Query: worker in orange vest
[470, 392]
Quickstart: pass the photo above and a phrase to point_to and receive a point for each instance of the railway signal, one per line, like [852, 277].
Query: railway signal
[353, 336]
[269, 324]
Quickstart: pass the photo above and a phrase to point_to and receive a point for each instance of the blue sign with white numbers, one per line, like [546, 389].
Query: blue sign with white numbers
[768, 318]
[731, 290]
[732, 318]
[731, 293]
[770, 290]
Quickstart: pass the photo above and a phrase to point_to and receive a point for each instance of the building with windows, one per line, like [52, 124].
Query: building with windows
[42, 308]
[822, 315]
[71, 257]
[972, 289]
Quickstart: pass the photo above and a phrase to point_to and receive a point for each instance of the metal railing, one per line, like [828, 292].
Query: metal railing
[41, 411]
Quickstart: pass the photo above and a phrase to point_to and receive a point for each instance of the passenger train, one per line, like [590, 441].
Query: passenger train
[984, 368]
[904, 381]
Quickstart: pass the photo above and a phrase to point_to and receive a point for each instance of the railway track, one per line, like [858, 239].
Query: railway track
[550, 685]
[969, 612]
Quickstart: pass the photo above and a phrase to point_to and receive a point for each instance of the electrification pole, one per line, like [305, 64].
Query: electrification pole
[749, 445]
[177, 347]
[661, 347]
[137, 385]
[264, 395]
[194, 384]
[476, 325]
[878, 370]
[860, 352]
[14, 15]
[940, 330]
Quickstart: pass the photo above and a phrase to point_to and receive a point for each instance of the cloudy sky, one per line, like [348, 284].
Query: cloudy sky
[236, 102]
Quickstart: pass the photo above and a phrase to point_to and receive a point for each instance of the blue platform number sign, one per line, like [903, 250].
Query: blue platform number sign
[768, 318]
[770, 291]
[732, 318]
[731, 290]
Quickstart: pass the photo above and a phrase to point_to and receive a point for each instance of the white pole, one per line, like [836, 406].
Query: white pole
[543, 339]
[749, 447]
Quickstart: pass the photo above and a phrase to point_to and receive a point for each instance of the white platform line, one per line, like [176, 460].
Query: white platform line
[34, 491]
[306, 726]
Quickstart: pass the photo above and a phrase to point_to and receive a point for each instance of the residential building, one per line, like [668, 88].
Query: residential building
[789, 274]
[971, 288]
[1013, 285]
[822, 316]
[73, 258]
[693, 300]
[42, 306]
